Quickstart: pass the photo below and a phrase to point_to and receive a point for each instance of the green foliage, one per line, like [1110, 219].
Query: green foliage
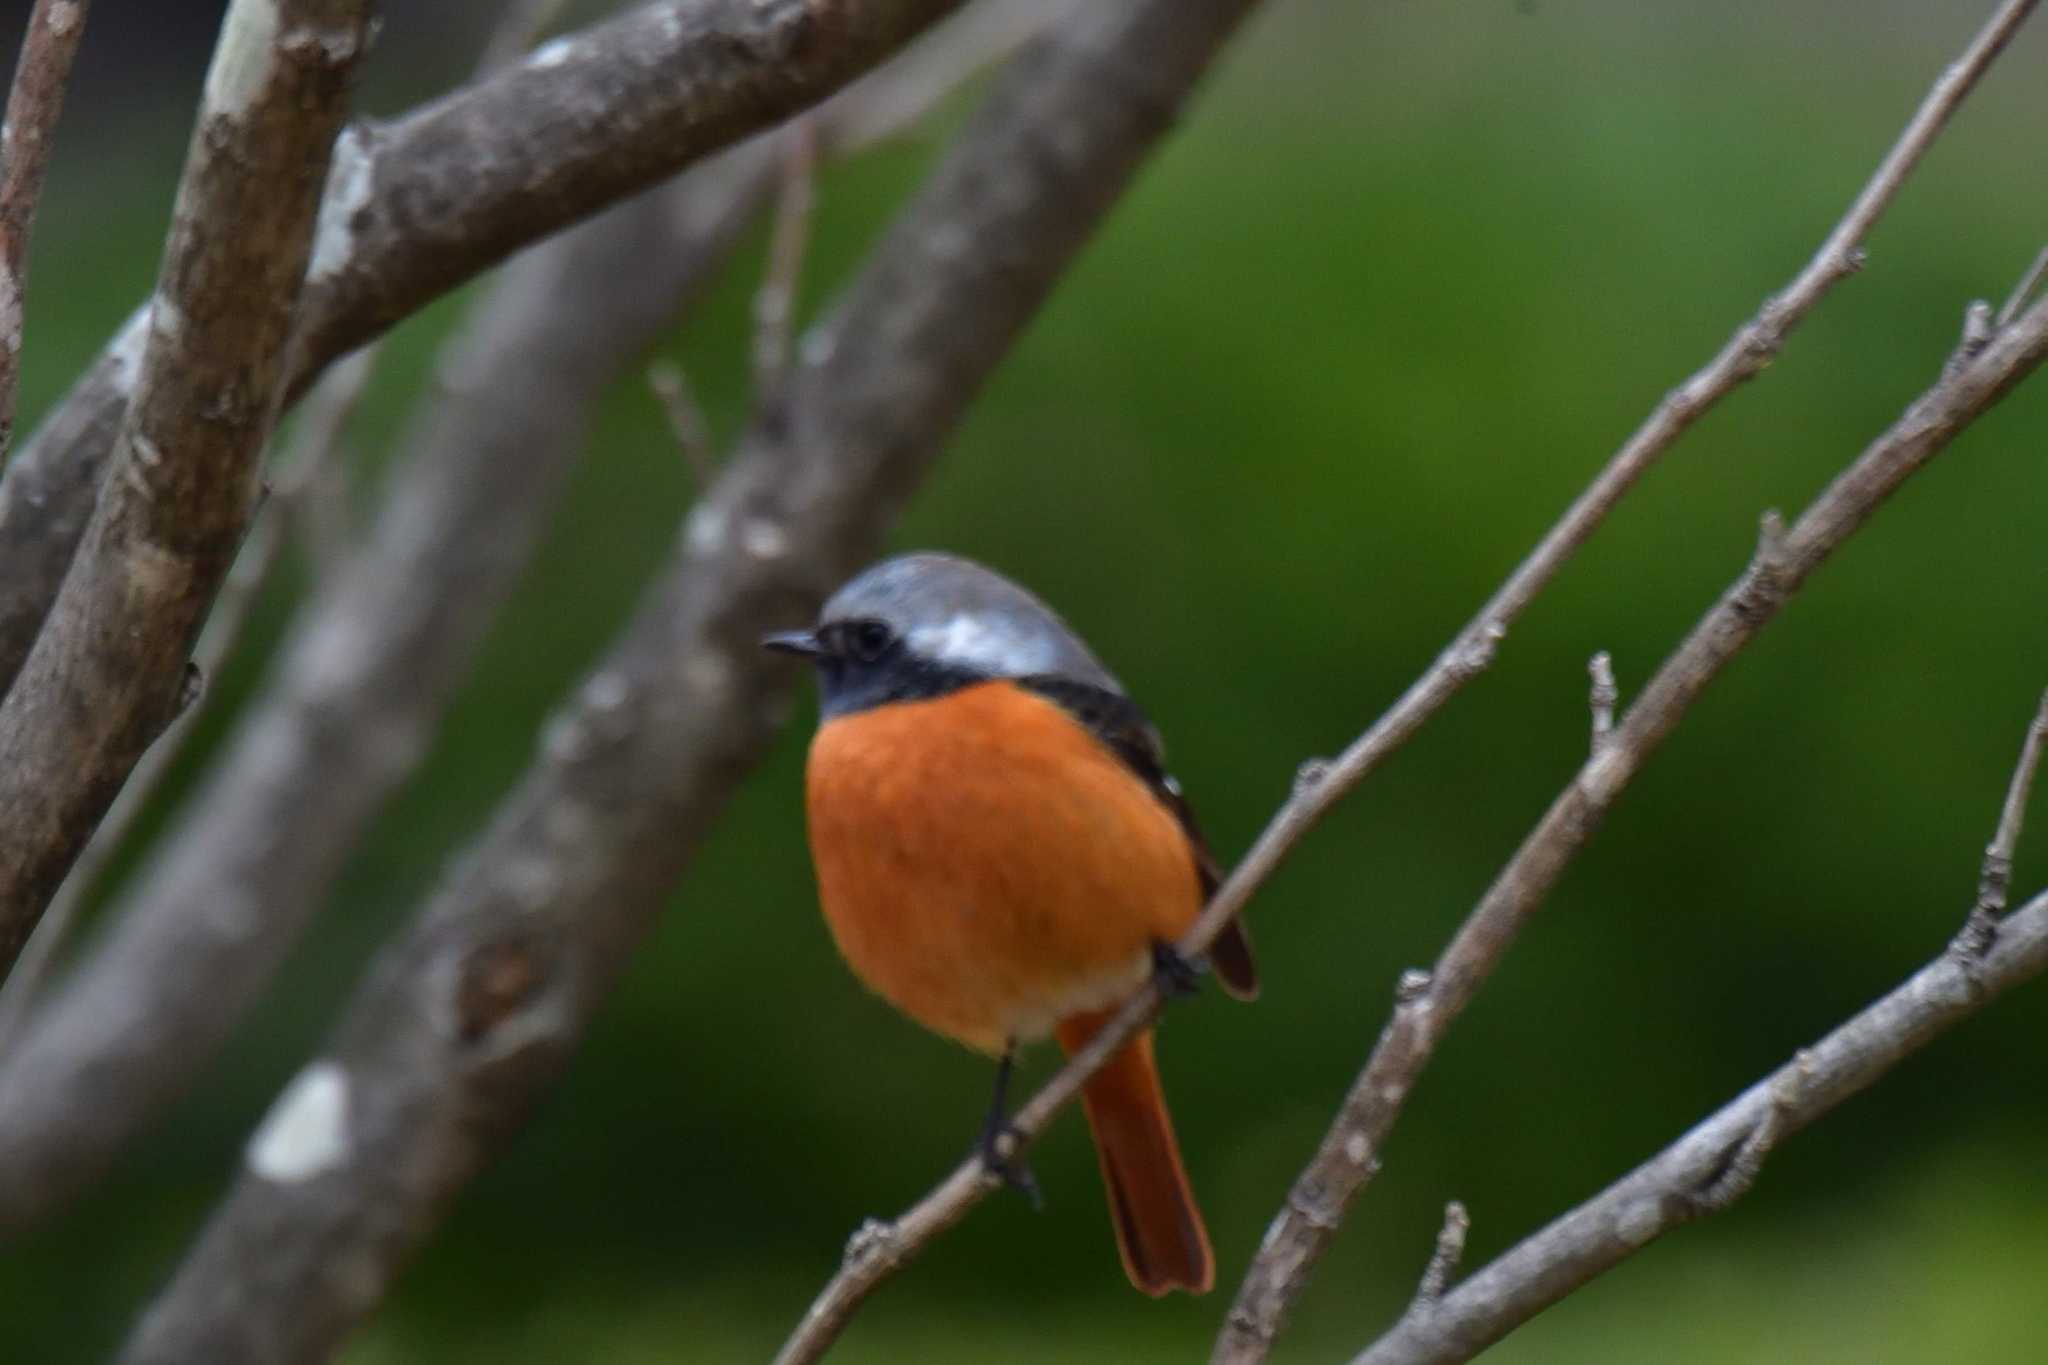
[1405, 279]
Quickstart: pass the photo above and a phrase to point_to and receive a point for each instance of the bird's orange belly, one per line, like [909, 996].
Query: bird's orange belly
[989, 867]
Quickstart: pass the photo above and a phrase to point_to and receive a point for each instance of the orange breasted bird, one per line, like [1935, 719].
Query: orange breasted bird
[1002, 855]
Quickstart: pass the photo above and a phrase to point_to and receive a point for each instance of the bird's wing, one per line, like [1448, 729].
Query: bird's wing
[1122, 725]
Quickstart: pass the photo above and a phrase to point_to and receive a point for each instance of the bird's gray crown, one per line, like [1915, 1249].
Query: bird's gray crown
[953, 612]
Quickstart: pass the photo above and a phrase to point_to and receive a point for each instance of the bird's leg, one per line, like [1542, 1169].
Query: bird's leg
[1175, 976]
[1000, 1140]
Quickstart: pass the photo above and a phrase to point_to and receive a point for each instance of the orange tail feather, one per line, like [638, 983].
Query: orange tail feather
[1158, 1228]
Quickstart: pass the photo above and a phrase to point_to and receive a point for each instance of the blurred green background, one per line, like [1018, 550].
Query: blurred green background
[1405, 278]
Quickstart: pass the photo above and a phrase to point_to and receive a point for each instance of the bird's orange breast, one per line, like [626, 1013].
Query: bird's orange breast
[987, 865]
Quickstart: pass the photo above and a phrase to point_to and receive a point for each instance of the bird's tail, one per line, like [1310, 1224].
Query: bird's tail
[1158, 1228]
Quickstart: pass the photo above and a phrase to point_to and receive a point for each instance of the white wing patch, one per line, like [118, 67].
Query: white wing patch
[990, 645]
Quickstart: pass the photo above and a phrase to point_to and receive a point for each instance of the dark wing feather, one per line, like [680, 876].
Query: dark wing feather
[1122, 725]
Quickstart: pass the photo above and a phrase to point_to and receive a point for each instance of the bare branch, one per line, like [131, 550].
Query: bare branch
[374, 660]
[775, 301]
[1995, 878]
[103, 679]
[313, 445]
[41, 73]
[2023, 291]
[1450, 1249]
[1718, 1157]
[1296, 1241]
[686, 419]
[468, 1016]
[1602, 697]
[1784, 560]
[417, 206]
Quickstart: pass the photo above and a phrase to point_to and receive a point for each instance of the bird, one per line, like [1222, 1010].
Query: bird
[1002, 855]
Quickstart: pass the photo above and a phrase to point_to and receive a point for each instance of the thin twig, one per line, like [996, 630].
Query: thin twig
[775, 300]
[686, 420]
[1666, 1191]
[1443, 1263]
[314, 443]
[2023, 291]
[41, 73]
[1994, 874]
[1602, 697]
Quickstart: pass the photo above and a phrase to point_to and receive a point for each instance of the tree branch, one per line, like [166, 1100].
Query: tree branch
[41, 73]
[375, 658]
[1691, 1177]
[467, 1018]
[314, 445]
[1345, 1162]
[1716, 1163]
[1994, 879]
[105, 676]
[417, 206]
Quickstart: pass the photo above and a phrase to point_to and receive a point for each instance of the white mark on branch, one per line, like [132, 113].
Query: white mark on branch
[606, 691]
[305, 1134]
[64, 17]
[241, 62]
[166, 319]
[704, 531]
[126, 350]
[764, 539]
[552, 54]
[1638, 1223]
[351, 180]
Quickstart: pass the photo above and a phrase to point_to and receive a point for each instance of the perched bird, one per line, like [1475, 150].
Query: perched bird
[1002, 856]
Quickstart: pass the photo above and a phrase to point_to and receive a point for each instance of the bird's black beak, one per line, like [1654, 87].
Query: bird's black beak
[801, 643]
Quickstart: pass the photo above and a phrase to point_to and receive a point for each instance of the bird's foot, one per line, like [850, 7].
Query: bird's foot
[1176, 977]
[1002, 1156]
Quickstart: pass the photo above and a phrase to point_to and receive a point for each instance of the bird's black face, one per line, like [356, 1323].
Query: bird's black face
[863, 662]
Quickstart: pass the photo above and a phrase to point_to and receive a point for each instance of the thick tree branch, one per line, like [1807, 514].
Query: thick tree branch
[105, 676]
[376, 656]
[315, 442]
[1347, 1158]
[41, 73]
[470, 1015]
[417, 206]
[1690, 1178]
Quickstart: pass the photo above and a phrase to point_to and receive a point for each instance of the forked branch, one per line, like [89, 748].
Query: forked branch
[1705, 1170]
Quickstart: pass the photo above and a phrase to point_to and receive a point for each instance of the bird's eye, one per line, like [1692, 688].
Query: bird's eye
[867, 641]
